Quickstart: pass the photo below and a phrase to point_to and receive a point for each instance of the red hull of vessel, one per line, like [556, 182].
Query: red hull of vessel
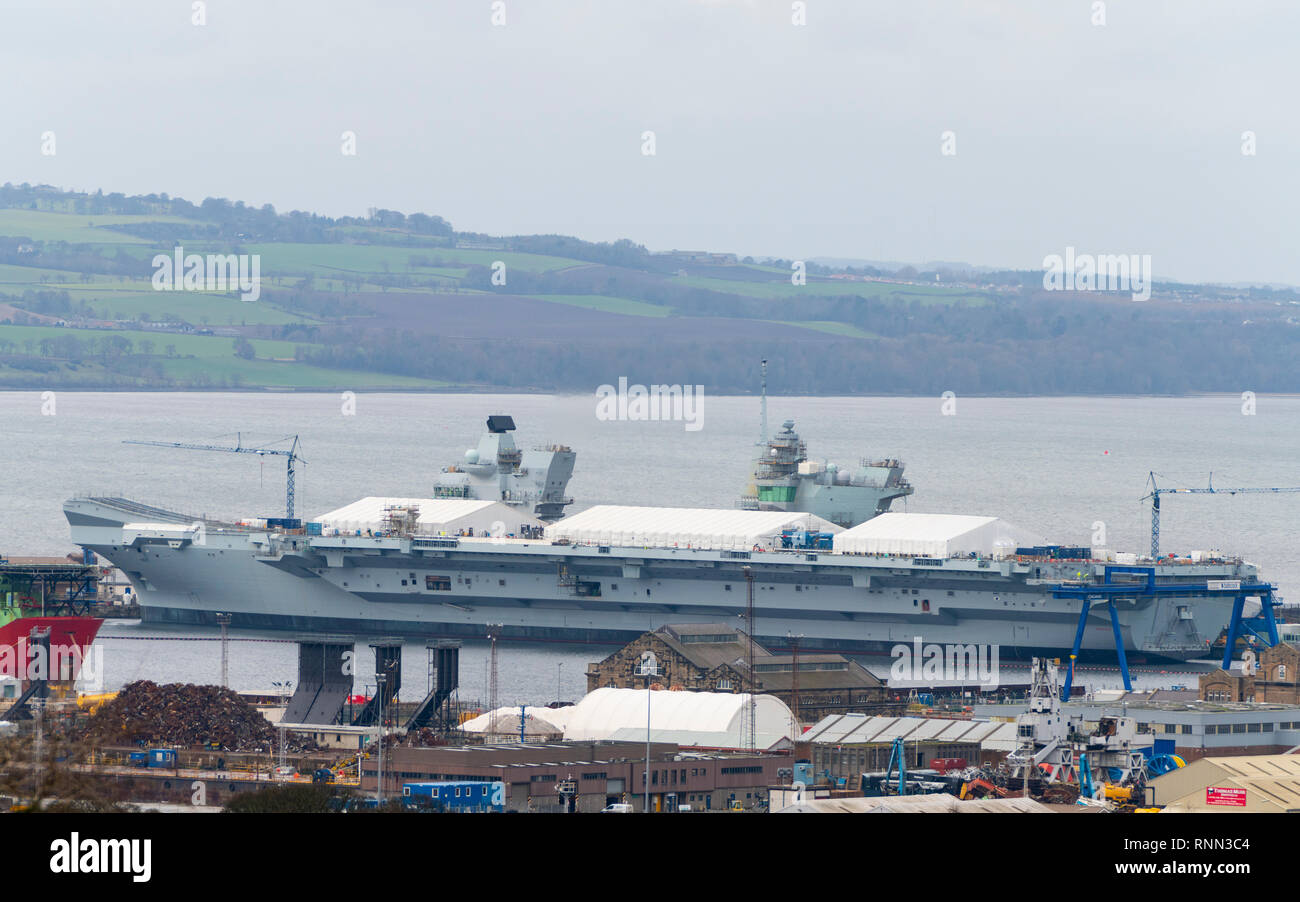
[65, 633]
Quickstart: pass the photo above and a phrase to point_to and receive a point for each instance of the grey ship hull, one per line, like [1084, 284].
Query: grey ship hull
[430, 587]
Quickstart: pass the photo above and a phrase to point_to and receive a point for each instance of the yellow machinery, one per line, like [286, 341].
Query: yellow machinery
[91, 702]
[1121, 795]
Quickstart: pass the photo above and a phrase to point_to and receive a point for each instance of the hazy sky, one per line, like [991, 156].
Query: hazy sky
[771, 138]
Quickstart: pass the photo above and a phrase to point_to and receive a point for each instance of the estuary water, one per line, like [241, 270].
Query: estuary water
[1060, 467]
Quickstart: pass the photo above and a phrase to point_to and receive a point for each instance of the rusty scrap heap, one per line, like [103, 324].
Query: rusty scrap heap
[181, 715]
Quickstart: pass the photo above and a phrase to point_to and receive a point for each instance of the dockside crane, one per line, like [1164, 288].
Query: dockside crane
[1156, 492]
[291, 453]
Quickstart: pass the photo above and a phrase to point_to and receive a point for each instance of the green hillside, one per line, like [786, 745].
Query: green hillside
[399, 301]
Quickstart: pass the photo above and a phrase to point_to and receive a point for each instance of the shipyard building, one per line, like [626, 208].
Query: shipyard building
[1189, 729]
[1245, 784]
[538, 777]
[1275, 679]
[844, 747]
[714, 657]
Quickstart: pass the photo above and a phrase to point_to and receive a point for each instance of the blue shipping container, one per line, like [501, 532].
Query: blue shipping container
[463, 796]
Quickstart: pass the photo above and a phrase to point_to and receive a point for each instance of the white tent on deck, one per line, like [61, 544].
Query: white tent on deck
[934, 535]
[668, 527]
[438, 516]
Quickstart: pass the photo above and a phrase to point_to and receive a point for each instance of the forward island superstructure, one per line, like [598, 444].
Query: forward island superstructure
[783, 478]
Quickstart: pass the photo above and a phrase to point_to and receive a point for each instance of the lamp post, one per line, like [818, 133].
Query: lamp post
[223, 620]
[38, 709]
[648, 668]
[382, 678]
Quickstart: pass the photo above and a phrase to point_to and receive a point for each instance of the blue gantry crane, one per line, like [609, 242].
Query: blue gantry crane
[291, 453]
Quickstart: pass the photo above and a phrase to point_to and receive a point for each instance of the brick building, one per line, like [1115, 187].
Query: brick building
[605, 773]
[715, 658]
[1276, 679]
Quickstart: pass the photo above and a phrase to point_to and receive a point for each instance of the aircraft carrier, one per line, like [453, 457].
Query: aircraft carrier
[451, 567]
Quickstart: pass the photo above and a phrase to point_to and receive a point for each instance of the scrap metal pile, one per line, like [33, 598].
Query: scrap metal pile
[998, 783]
[182, 715]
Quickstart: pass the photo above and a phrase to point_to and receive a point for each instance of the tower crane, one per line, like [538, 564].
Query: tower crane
[291, 454]
[1156, 492]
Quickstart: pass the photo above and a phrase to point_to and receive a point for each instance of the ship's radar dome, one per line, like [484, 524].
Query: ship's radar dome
[471, 456]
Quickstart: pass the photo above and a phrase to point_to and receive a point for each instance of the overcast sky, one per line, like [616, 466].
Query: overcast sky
[770, 138]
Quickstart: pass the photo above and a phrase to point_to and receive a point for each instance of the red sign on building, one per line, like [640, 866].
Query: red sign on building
[1220, 795]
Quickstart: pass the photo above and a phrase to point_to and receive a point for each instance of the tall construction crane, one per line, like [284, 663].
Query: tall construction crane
[291, 453]
[1156, 492]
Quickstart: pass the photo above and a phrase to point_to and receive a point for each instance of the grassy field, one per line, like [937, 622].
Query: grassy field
[782, 289]
[606, 304]
[123, 298]
[41, 277]
[329, 259]
[276, 374]
[188, 306]
[832, 328]
[252, 374]
[214, 357]
[210, 347]
[40, 225]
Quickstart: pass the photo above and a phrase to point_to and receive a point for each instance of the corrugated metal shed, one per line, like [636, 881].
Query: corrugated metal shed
[668, 527]
[934, 535]
[1267, 782]
[854, 729]
[929, 728]
[835, 727]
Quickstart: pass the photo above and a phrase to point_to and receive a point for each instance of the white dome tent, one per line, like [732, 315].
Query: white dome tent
[538, 722]
[703, 719]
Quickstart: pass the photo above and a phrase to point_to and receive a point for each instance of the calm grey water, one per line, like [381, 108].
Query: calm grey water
[1053, 465]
